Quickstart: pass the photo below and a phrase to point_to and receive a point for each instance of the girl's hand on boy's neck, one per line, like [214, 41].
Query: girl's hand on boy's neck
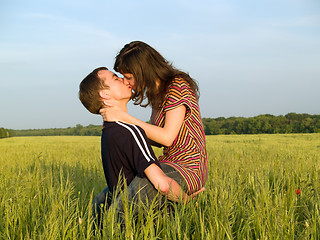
[112, 114]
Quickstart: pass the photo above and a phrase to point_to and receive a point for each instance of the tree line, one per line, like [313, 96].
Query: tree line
[261, 124]
[78, 130]
[4, 133]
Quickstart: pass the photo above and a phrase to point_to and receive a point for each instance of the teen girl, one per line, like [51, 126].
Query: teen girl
[176, 120]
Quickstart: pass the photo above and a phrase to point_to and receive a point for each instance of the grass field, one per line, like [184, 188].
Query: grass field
[47, 183]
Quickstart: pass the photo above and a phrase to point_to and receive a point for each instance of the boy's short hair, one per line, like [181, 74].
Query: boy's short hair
[89, 91]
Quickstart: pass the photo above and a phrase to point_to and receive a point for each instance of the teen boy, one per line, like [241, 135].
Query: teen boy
[125, 149]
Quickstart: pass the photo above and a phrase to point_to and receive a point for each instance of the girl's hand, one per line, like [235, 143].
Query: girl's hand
[104, 113]
[193, 195]
[109, 102]
[112, 114]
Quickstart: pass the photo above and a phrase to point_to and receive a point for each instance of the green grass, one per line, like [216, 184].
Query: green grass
[47, 184]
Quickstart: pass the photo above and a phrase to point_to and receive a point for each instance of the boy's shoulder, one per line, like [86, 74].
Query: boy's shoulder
[117, 130]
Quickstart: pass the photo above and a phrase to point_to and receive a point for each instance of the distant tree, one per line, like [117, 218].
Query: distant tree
[2, 133]
[77, 129]
[5, 133]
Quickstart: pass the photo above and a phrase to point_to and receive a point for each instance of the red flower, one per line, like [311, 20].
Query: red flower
[298, 191]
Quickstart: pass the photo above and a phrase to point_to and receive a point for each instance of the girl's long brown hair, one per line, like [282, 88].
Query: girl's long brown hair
[147, 66]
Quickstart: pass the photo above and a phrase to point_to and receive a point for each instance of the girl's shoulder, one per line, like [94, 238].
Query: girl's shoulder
[178, 80]
[185, 84]
[178, 86]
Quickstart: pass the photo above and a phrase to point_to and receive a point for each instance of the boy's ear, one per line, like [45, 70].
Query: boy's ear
[103, 94]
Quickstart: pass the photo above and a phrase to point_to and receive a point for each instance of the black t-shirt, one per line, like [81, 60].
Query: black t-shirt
[125, 148]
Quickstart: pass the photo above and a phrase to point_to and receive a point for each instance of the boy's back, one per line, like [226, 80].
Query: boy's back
[124, 149]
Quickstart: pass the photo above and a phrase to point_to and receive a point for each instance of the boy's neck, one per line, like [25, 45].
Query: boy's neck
[123, 105]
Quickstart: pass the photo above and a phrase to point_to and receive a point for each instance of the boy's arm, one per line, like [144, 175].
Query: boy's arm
[167, 186]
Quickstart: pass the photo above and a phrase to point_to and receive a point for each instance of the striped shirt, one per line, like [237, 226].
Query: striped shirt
[188, 153]
[125, 151]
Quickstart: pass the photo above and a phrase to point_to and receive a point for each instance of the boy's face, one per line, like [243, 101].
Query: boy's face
[118, 89]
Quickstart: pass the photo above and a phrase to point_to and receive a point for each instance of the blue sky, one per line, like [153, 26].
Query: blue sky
[249, 57]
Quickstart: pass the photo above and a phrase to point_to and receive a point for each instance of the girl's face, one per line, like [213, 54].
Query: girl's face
[128, 78]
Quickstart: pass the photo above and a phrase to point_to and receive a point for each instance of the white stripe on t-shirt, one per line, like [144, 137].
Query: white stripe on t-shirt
[138, 142]
[143, 140]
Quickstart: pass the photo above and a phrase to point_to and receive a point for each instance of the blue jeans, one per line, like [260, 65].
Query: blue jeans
[140, 192]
